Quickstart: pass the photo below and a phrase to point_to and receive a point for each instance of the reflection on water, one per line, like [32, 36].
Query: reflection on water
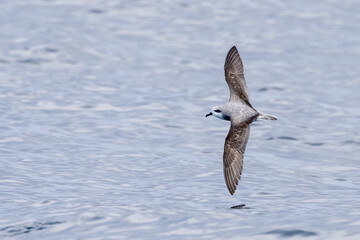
[103, 133]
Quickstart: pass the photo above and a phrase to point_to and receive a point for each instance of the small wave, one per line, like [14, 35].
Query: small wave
[287, 138]
[24, 229]
[292, 233]
[263, 89]
[315, 143]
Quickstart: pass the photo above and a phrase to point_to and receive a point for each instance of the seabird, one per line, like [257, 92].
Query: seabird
[241, 114]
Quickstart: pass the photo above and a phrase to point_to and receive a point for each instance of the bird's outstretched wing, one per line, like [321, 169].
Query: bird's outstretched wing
[234, 76]
[234, 149]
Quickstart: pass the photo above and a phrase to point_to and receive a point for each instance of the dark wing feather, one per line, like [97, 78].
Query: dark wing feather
[234, 150]
[234, 76]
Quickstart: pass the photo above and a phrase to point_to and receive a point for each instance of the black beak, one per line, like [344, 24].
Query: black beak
[209, 114]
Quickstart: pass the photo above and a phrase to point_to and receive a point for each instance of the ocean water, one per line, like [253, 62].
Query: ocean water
[103, 129]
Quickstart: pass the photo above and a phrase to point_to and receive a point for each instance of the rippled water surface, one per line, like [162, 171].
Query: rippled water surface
[103, 129]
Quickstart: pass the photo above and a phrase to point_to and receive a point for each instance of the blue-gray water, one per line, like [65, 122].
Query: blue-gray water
[103, 129]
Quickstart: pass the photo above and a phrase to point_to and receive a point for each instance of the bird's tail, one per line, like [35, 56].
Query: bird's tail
[264, 116]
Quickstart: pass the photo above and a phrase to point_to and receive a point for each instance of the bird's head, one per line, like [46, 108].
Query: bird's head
[217, 111]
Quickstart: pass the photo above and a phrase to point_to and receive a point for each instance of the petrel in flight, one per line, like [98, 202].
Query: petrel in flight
[241, 114]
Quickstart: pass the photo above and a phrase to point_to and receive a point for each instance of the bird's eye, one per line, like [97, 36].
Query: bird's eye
[217, 110]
